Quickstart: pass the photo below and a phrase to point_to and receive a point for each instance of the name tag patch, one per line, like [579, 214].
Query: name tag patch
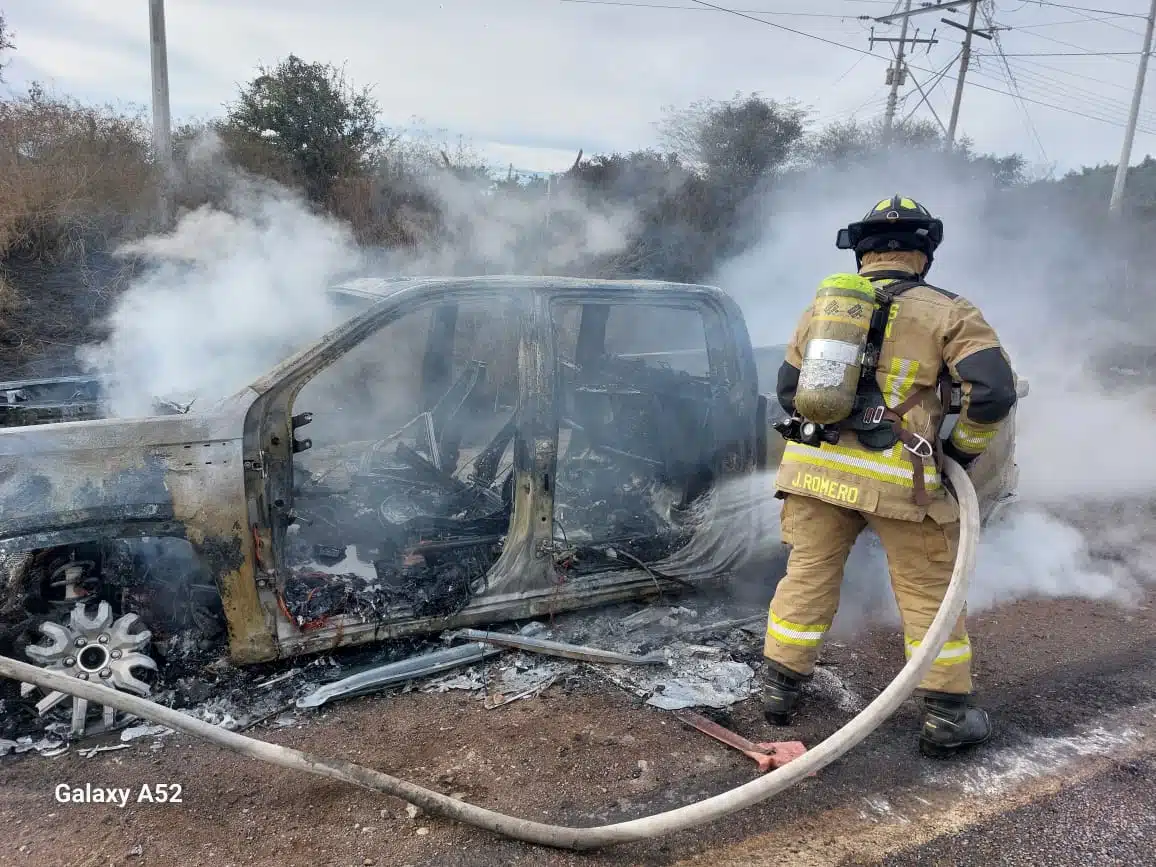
[826, 488]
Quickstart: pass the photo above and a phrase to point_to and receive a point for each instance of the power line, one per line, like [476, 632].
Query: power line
[1108, 23]
[852, 68]
[1089, 112]
[1086, 9]
[1052, 88]
[1077, 54]
[826, 41]
[1084, 49]
[1103, 81]
[700, 9]
[1055, 86]
[1084, 20]
[1015, 87]
[750, 17]
[1039, 102]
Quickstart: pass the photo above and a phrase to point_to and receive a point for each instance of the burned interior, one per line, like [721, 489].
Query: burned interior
[404, 497]
[635, 414]
[407, 450]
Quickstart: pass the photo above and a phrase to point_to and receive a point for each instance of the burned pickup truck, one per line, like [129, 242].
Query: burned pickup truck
[459, 452]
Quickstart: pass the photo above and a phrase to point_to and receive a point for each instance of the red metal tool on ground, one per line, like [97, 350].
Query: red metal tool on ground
[768, 756]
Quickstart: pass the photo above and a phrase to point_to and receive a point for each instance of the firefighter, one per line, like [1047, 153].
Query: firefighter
[879, 468]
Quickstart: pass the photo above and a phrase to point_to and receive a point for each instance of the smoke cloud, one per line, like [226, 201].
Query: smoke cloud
[240, 284]
[538, 230]
[1053, 293]
[228, 293]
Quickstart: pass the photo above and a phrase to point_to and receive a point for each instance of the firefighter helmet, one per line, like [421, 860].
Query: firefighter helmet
[897, 223]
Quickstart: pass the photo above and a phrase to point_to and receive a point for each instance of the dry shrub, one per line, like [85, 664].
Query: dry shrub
[258, 157]
[357, 201]
[390, 207]
[72, 177]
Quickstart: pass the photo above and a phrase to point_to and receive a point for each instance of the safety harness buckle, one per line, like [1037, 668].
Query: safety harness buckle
[921, 447]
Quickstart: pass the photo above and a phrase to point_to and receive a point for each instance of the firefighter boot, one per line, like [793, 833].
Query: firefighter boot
[950, 724]
[783, 690]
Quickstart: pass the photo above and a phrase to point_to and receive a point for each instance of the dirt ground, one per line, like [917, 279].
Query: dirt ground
[586, 753]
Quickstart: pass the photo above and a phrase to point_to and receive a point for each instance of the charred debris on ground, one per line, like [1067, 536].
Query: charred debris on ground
[703, 656]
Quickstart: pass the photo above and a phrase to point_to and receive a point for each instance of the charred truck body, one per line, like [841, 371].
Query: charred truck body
[460, 452]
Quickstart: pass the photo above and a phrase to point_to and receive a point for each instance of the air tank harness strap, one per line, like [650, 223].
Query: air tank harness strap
[919, 448]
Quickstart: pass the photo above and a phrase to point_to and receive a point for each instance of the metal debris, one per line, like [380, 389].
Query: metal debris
[767, 755]
[722, 626]
[496, 700]
[143, 731]
[89, 752]
[691, 679]
[714, 684]
[398, 672]
[559, 648]
[48, 747]
[265, 684]
[96, 647]
[469, 681]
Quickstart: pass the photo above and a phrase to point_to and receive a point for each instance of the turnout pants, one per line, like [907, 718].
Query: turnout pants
[920, 558]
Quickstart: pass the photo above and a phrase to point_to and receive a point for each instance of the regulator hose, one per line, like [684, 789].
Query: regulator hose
[557, 836]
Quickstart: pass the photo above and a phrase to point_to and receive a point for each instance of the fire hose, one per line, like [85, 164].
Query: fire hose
[556, 836]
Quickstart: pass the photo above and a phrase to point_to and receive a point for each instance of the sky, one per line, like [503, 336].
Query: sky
[530, 82]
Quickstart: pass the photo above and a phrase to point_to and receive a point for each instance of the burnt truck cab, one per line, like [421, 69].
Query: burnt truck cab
[458, 452]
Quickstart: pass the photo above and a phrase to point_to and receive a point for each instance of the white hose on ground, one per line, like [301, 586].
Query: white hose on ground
[649, 827]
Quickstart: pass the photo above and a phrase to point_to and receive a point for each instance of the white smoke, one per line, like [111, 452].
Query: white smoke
[541, 231]
[239, 285]
[1049, 299]
[227, 294]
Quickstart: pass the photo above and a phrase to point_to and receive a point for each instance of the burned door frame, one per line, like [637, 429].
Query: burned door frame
[522, 583]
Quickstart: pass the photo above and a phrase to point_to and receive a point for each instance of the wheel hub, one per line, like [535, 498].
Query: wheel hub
[96, 648]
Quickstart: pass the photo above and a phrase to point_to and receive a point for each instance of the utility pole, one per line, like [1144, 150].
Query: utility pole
[1130, 133]
[897, 73]
[964, 62]
[162, 122]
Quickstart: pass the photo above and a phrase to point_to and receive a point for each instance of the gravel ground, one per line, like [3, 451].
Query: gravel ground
[586, 753]
[1107, 820]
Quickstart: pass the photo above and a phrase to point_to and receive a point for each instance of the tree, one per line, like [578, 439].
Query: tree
[851, 142]
[307, 118]
[737, 141]
[5, 39]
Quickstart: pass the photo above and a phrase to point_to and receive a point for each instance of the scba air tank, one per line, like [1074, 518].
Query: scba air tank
[833, 356]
